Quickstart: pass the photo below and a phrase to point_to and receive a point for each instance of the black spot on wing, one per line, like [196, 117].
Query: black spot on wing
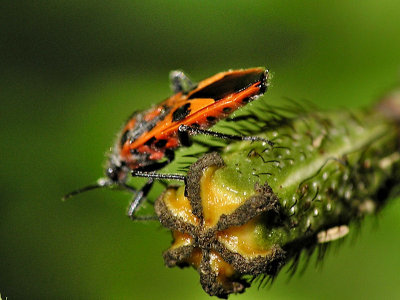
[181, 112]
[150, 141]
[211, 119]
[246, 100]
[229, 84]
[161, 143]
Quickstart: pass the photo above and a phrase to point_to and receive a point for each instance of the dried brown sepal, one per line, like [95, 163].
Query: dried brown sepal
[206, 244]
[192, 190]
[265, 200]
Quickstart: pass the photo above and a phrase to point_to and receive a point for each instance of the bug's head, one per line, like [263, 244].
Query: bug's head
[115, 173]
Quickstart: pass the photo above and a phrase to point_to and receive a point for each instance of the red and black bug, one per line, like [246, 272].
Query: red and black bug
[149, 138]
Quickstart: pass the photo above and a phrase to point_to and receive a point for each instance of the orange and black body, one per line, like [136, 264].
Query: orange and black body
[150, 137]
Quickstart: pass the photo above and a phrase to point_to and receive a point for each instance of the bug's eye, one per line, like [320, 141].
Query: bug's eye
[113, 173]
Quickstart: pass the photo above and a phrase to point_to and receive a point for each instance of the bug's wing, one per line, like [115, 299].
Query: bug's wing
[223, 84]
[217, 97]
[180, 82]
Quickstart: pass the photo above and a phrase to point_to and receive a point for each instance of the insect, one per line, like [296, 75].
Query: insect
[149, 138]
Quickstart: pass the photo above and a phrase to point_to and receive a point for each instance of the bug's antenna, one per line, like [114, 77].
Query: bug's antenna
[101, 183]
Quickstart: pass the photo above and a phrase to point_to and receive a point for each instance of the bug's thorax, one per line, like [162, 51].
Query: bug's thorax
[131, 149]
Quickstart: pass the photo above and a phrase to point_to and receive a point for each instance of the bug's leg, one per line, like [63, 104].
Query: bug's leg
[159, 176]
[180, 82]
[138, 199]
[170, 155]
[140, 196]
[185, 130]
[183, 136]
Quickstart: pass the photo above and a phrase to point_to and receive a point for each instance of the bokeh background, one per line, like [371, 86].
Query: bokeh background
[72, 71]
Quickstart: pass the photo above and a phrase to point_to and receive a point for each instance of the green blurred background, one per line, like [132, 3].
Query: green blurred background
[72, 71]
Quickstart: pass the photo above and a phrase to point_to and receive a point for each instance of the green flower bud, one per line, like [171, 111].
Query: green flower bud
[251, 208]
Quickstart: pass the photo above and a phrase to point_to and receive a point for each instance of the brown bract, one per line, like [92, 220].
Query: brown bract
[216, 235]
